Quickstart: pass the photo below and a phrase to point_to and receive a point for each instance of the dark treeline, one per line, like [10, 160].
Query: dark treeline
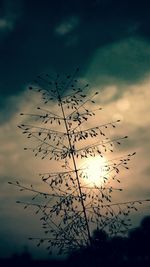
[133, 250]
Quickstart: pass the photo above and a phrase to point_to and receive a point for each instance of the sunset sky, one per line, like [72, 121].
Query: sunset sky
[109, 40]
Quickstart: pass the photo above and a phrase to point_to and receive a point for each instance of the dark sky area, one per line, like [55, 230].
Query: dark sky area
[59, 35]
[109, 40]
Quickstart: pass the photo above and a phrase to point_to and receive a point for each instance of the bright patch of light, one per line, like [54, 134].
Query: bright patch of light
[94, 171]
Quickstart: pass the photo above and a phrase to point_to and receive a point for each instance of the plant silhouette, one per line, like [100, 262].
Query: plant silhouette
[74, 205]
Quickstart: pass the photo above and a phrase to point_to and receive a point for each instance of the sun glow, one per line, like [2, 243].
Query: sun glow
[94, 171]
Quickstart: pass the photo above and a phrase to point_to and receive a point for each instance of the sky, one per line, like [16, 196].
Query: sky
[109, 40]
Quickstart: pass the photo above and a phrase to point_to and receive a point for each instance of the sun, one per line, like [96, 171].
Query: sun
[94, 171]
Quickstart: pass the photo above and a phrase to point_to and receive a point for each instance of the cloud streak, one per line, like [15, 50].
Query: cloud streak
[11, 14]
[67, 26]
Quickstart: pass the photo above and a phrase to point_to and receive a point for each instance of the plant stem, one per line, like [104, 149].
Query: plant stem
[75, 169]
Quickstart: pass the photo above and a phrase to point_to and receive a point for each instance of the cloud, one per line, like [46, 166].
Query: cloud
[123, 62]
[133, 104]
[11, 13]
[133, 108]
[97, 33]
[67, 26]
[6, 24]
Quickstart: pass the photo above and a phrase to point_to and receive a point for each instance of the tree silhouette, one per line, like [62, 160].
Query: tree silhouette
[74, 205]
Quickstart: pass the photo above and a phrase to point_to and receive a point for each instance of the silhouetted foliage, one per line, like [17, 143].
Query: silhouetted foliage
[73, 206]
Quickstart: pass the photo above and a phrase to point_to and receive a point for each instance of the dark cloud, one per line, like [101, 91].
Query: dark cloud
[124, 62]
[32, 47]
